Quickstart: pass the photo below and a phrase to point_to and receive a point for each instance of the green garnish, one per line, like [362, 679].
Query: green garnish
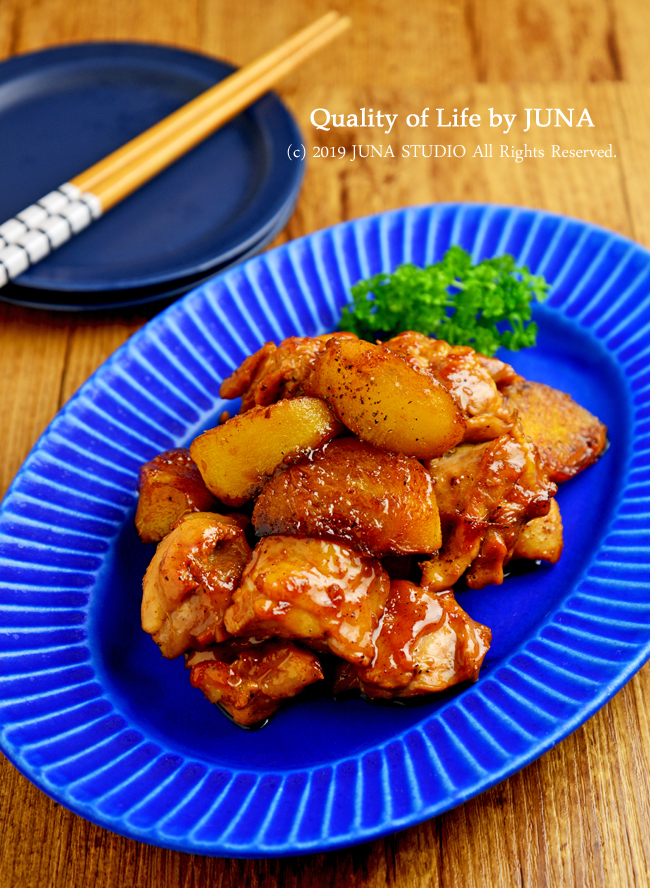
[487, 305]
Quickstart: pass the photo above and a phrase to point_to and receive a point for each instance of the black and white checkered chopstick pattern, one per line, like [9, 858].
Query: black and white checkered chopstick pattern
[42, 227]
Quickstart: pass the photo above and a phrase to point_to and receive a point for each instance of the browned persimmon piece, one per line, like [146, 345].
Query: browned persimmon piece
[381, 503]
[275, 372]
[323, 593]
[384, 400]
[190, 581]
[426, 643]
[470, 378]
[568, 437]
[236, 458]
[542, 538]
[170, 486]
[251, 680]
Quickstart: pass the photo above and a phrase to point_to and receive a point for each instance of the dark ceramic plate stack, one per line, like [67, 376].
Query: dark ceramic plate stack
[63, 109]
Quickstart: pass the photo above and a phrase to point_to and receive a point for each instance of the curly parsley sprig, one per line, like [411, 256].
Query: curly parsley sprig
[486, 305]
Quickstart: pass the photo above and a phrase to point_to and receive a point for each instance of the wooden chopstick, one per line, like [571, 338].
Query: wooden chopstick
[206, 114]
[208, 101]
[36, 231]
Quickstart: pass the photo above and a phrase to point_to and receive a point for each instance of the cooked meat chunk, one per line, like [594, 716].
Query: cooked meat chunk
[170, 486]
[486, 493]
[426, 644]
[276, 371]
[470, 378]
[502, 374]
[324, 593]
[190, 580]
[251, 680]
[568, 437]
[541, 539]
[378, 476]
[379, 502]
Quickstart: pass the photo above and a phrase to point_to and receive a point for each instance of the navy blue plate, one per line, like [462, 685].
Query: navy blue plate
[91, 713]
[63, 109]
[111, 299]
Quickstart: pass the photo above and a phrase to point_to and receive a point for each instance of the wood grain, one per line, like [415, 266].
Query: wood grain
[630, 24]
[33, 354]
[579, 815]
[545, 41]
[40, 23]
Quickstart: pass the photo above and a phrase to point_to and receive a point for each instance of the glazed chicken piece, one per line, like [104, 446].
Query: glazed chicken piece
[250, 679]
[568, 437]
[471, 378]
[321, 592]
[426, 644]
[190, 581]
[502, 374]
[486, 493]
[276, 371]
[379, 502]
[170, 486]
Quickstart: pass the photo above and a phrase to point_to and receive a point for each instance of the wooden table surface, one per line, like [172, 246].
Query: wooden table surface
[579, 815]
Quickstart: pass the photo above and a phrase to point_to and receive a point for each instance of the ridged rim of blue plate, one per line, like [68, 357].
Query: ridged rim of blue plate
[70, 500]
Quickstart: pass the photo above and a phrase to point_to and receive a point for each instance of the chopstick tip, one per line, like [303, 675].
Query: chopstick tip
[335, 17]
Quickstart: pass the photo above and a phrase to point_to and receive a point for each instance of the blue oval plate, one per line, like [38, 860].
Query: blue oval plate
[93, 715]
[63, 109]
